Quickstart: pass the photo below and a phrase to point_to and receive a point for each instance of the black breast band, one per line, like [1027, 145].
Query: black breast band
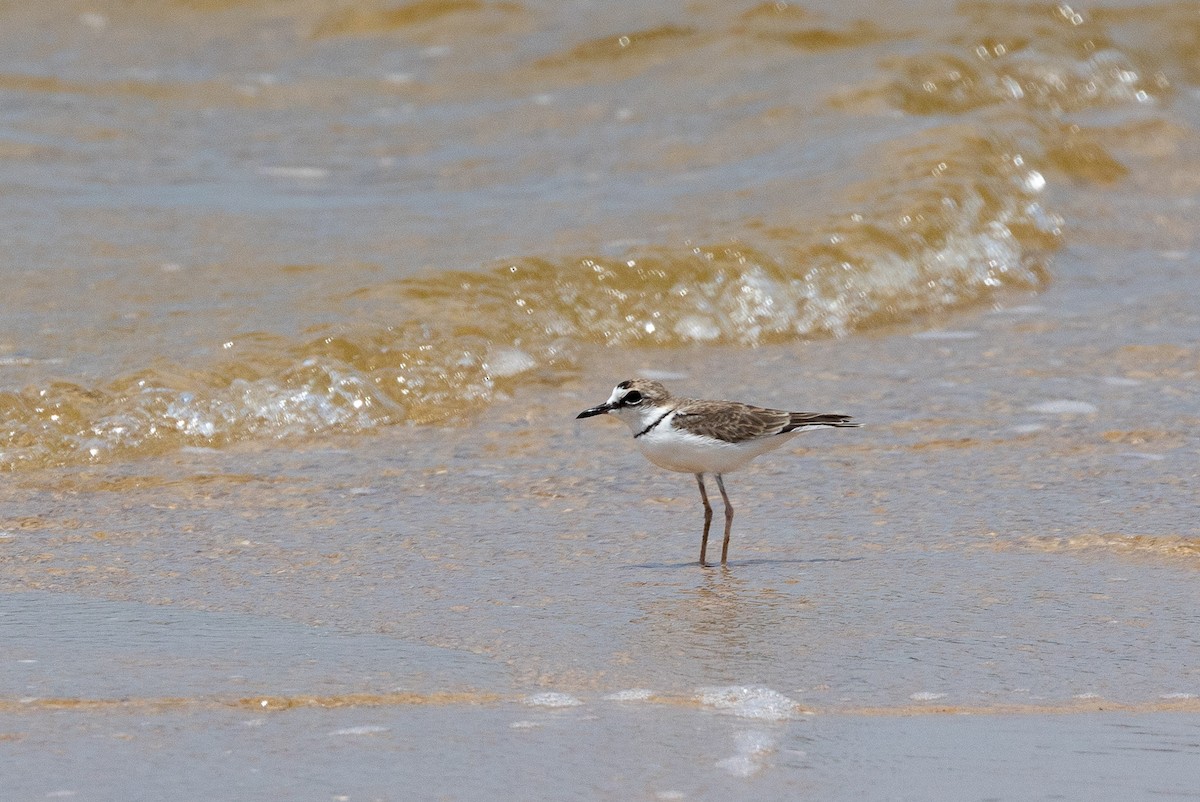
[650, 428]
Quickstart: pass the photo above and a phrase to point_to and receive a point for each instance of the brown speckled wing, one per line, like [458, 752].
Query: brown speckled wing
[736, 423]
[729, 421]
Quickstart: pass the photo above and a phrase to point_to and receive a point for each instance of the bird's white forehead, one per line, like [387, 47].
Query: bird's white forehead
[617, 394]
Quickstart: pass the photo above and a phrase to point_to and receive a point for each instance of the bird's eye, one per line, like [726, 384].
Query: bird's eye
[632, 397]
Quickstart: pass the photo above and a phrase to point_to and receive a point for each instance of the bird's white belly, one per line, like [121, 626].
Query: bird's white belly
[689, 453]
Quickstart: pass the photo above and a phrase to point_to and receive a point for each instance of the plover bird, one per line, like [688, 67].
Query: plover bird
[699, 437]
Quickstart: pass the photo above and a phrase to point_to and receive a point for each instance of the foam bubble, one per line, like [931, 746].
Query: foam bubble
[1063, 406]
[697, 328]
[552, 699]
[739, 765]
[524, 724]
[926, 696]
[1034, 181]
[750, 702]
[366, 729]
[752, 748]
[510, 362]
[1022, 309]
[630, 695]
[299, 173]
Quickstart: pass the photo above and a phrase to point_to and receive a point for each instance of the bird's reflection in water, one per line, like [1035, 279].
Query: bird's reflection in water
[724, 625]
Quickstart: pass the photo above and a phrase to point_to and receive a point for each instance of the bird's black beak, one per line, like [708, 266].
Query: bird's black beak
[600, 410]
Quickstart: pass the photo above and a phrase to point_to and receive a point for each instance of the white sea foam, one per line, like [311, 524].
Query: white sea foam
[552, 699]
[298, 172]
[926, 696]
[695, 327]
[366, 729]
[1063, 406]
[506, 362]
[524, 724]
[1023, 309]
[750, 702]
[630, 695]
[752, 748]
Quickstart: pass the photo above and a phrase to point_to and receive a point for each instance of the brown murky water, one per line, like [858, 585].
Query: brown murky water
[301, 300]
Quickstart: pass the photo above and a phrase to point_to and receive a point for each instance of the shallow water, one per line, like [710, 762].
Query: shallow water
[600, 749]
[301, 301]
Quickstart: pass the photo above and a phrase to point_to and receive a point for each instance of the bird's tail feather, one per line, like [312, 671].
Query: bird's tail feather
[805, 420]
